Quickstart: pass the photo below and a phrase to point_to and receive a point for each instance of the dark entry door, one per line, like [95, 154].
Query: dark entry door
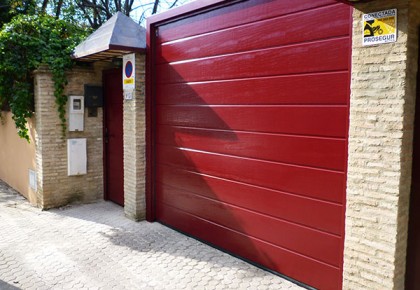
[413, 248]
[113, 136]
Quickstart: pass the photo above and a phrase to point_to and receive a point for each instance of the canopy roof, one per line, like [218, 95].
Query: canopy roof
[118, 36]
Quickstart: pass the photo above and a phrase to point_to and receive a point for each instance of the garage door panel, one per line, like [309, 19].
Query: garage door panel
[278, 259]
[329, 153]
[258, 35]
[313, 89]
[250, 126]
[320, 56]
[316, 183]
[326, 121]
[323, 246]
[321, 215]
[230, 16]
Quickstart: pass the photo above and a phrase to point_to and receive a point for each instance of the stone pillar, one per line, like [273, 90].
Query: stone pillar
[380, 151]
[135, 147]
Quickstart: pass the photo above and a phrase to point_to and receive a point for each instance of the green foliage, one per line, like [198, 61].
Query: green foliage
[26, 42]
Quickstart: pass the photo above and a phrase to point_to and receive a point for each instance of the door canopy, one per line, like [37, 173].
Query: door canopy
[118, 36]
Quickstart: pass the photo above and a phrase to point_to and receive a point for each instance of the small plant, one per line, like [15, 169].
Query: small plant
[26, 43]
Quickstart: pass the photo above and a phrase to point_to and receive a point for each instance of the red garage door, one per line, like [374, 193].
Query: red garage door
[250, 112]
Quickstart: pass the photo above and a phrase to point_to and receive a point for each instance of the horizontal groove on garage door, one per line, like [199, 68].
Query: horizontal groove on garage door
[324, 153]
[322, 247]
[238, 14]
[315, 183]
[314, 213]
[327, 121]
[259, 35]
[322, 56]
[319, 88]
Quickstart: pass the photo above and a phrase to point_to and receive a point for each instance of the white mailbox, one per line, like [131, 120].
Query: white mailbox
[76, 113]
[76, 156]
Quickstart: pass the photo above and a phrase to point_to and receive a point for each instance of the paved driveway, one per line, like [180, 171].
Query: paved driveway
[95, 247]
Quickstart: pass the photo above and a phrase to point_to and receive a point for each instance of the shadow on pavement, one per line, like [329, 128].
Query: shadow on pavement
[7, 286]
[99, 234]
[8, 194]
[153, 238]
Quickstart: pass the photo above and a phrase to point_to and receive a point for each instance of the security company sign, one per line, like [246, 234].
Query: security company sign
[129, 72]
[380, 27]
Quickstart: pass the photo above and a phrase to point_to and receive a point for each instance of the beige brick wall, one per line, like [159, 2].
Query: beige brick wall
[55, 188]
[135, 147]
[380, 149]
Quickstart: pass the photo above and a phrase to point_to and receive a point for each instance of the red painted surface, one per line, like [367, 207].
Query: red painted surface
[250, 36]
[276, 258]
[280, 90]
[302, 180]
[256, 224]
[316, 214]
[321, 56]
[324, 153]
[312, 120]
[249, 105]
[241, 13]
[412, 279]
[113, 136]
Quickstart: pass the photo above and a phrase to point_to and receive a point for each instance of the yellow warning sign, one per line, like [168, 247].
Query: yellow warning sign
[380, 27]
[128, 81]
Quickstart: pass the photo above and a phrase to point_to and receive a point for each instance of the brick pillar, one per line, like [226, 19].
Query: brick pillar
[55, 188]
[380, 151]
[43, 108]
[134, 147]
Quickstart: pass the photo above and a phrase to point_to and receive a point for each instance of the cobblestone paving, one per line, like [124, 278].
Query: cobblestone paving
[95, 247]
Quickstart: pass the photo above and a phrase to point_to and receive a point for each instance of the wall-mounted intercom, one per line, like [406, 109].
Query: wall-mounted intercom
[76, 113]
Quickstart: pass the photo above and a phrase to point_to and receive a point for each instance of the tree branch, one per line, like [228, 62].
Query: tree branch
[44, 6]
[173, 4]
[155, 6]
[58, 8]
[80, 5]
